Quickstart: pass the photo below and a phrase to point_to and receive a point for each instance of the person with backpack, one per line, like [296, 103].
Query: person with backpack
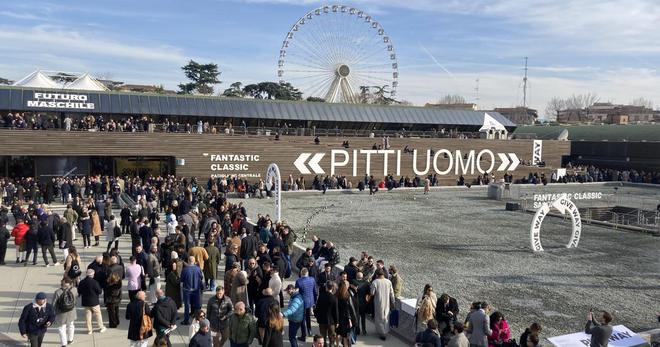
[72, 266]
[65, 312]
[139, 326]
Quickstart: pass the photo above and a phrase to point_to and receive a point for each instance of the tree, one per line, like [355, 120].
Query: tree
[365, 95]
[272, 91]
[315, 99]
[234, 91]
[580, 101]
[63, 77]
[202, 78]
[642, 102]
[450, 99]
[380, 95]
[555, 105]
[5, 81]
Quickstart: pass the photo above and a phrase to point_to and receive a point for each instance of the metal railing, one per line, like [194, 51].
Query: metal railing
[267, 131]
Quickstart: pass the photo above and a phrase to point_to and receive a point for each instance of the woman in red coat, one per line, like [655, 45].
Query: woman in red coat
[500, 330]
[18, 233]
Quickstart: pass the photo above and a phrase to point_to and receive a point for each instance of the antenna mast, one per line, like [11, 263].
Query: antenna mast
[476, 89]
[525, 86]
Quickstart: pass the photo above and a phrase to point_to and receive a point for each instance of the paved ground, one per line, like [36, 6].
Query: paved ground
[20, 284]
[471, 248]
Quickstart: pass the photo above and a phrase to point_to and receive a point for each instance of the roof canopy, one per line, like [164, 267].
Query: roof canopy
[36, 79]
[491, 123]
[86, 82]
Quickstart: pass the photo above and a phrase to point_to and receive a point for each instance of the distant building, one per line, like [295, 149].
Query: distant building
[465, 106]
[608, 113]
[519, 115]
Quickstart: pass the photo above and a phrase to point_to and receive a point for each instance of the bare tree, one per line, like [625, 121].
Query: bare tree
[580, 101]
[555, 105]
[450, 99]
[642, 102]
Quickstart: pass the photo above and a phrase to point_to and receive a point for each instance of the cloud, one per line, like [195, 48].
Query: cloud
[58, 40]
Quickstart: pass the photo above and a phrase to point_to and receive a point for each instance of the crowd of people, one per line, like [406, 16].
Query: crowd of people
[180, 240]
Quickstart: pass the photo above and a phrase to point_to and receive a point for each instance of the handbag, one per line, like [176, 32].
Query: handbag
[146, 325]
[116, 231]
[74, 270]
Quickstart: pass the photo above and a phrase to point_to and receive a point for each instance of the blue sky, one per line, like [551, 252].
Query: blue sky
[610, 48]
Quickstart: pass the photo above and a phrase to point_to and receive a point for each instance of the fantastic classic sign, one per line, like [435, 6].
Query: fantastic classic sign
[441, 162]
[621, 337]
[234, 164]
[57, 100]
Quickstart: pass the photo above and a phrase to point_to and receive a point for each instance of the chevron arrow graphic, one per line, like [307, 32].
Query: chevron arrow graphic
[300, 163]
[505, 161]
[514, 162]
[314, 163]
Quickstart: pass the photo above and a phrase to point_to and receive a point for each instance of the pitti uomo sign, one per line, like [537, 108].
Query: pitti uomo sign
[63, 101]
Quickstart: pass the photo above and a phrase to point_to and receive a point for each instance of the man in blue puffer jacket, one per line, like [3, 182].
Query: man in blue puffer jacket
[295, 313]
[307, 287]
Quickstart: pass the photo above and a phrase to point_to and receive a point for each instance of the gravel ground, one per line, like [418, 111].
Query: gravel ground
[470, 247]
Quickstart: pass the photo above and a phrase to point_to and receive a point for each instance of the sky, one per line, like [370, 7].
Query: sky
[607, 47]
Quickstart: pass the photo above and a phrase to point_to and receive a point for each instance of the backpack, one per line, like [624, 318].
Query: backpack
[66, 302]
[74, 271]
[117, 231]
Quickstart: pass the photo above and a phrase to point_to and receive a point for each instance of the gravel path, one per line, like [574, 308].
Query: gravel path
[471, 248]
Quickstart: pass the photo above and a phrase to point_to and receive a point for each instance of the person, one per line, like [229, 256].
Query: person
[534, 329]
[72, 266]
[306, 285]
[458, 338]
[110, 234]
[134, 273]
[202, 337]
[154, 271]
[397, 282]
[194, 325]
[211, 267]
[261, 310]
[86, 228]
[191, 280]
[346, 314]
[90, 290]
[500, 332]
[219, 310]
[32, 242]
[112, 298]
[255, 279]
[64, 302]
[446, 311]
[430, 336]
[97, 229]
[600, 330]
[173, 284]
[164, 316]
[199, 253]
[326, 312]
[5, 235]
[479, 327]
[318, 341]
[362, 288]
[295, 313]
[383, 296]
[18, 233]
[242, 327]
[426, 307]
[66, 239]
[274, 327]
[125, 215]
[47, 242]
[239, 287]
[136, 311]
[35, 319]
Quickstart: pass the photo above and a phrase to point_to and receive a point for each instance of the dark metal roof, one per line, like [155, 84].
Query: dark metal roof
[16, 99]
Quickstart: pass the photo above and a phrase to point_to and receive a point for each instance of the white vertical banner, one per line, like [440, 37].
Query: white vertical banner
[537, 152]
[274, 184]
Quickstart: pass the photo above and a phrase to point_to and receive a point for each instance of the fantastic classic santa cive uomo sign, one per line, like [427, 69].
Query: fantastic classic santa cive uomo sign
[59, 100]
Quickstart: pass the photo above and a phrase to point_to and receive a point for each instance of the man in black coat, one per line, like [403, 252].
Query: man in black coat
[90, 290]
[47, 242]
[203, 337]
[125, 215]
[326, 276]
[326, 312]
[446, 312]
[164, 315]
[35, 320]
[135, 312]
[249, 245]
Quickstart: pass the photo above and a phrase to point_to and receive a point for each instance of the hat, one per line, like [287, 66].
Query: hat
[41, 296]
[204, 323]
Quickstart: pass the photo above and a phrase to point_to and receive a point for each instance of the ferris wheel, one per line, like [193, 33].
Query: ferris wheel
[334, 52]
